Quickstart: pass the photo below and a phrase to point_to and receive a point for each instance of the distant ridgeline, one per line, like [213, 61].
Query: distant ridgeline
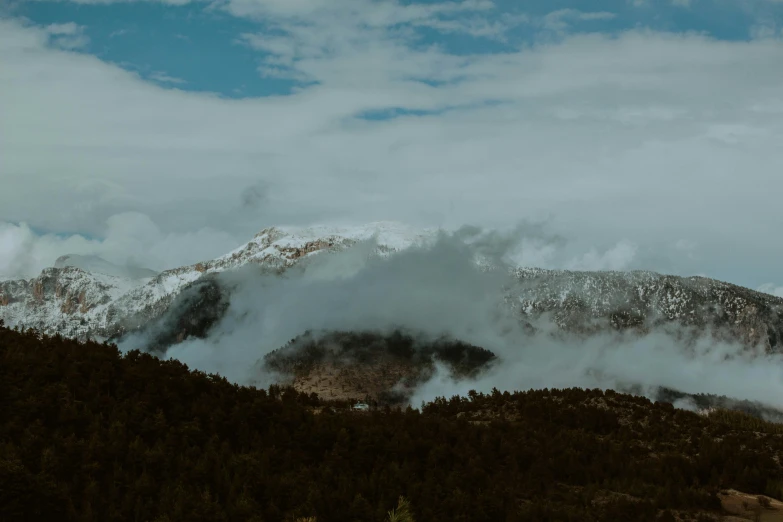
[89, 434]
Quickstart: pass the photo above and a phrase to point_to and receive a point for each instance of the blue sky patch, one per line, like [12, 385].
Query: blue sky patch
[195, 47]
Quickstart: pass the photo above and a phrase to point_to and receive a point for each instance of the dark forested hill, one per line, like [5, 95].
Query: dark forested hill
[87, 433]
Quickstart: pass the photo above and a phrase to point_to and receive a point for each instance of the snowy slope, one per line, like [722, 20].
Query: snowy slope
[643, 300]
[64, 300]
[78, 303]
[75, 302]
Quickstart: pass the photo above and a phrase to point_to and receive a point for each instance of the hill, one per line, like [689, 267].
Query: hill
[371, 366]
[90, 434]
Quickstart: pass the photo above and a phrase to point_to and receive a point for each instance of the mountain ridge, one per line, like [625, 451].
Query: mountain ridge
[109, 306]
[80, 304]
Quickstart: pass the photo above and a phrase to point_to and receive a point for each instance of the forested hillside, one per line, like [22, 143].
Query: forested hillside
[89, 434]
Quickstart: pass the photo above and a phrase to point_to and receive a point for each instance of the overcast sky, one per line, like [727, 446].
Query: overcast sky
[644, 133]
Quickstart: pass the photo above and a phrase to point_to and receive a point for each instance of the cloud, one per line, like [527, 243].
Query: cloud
[373, 14]
[618, 257]
[68, 36]
[130, 239]
[766, 27]
[478, 27]
[637, 136]
[107, 2]
[165, 78]
[69, 28]
[622, 363]
[772, 289]
[686, 246]
[562, 20]
[437, 289]
[255, 195]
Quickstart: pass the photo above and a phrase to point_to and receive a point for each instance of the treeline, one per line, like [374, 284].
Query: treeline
[708, 401]
[89, 434]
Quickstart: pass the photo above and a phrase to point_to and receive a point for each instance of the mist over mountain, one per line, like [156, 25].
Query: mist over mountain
[220, 301]
[638, 331]
[98, 265]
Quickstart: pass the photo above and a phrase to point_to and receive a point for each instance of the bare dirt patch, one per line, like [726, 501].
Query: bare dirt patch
[744, 506]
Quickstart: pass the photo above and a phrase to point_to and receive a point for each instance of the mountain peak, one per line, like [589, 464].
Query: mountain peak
[389, 233]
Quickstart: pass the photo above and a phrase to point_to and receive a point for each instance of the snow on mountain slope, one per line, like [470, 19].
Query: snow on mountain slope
[283, 246]
[643, 300]
[64, 300]
[75, 302]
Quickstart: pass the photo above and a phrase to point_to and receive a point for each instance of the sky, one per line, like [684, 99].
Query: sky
[645, 134]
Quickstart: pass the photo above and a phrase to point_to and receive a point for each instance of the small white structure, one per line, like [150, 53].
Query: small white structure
[361, 406]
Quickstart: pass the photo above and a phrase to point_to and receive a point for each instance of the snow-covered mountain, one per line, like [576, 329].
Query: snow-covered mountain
[80, 303]
[642, 300]
[83, 301]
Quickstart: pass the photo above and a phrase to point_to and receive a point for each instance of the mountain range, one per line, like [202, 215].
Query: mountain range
[86, 297]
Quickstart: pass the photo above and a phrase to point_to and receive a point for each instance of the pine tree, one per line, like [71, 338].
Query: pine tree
[402, 513]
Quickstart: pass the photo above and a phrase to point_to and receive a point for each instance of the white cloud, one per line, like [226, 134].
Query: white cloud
[619, 257]
[130, 239]
[765, 27]
[68, 35]
[162, 77]
[687, 247]
[439, 290]
[373, 14]
[645, 136]
[69, 28]
[772, 289]
[563, 19]
[106, 2]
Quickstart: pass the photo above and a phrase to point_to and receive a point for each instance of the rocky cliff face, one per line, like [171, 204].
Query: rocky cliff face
[81, 304]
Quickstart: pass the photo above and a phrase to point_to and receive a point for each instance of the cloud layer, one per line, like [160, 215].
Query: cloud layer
[438, 289]
[634, 141]
[131, 239]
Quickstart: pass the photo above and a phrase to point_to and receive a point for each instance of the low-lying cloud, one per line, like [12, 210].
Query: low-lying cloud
[771, 289]
[130, 239]
[600, 130]
[439, 289]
